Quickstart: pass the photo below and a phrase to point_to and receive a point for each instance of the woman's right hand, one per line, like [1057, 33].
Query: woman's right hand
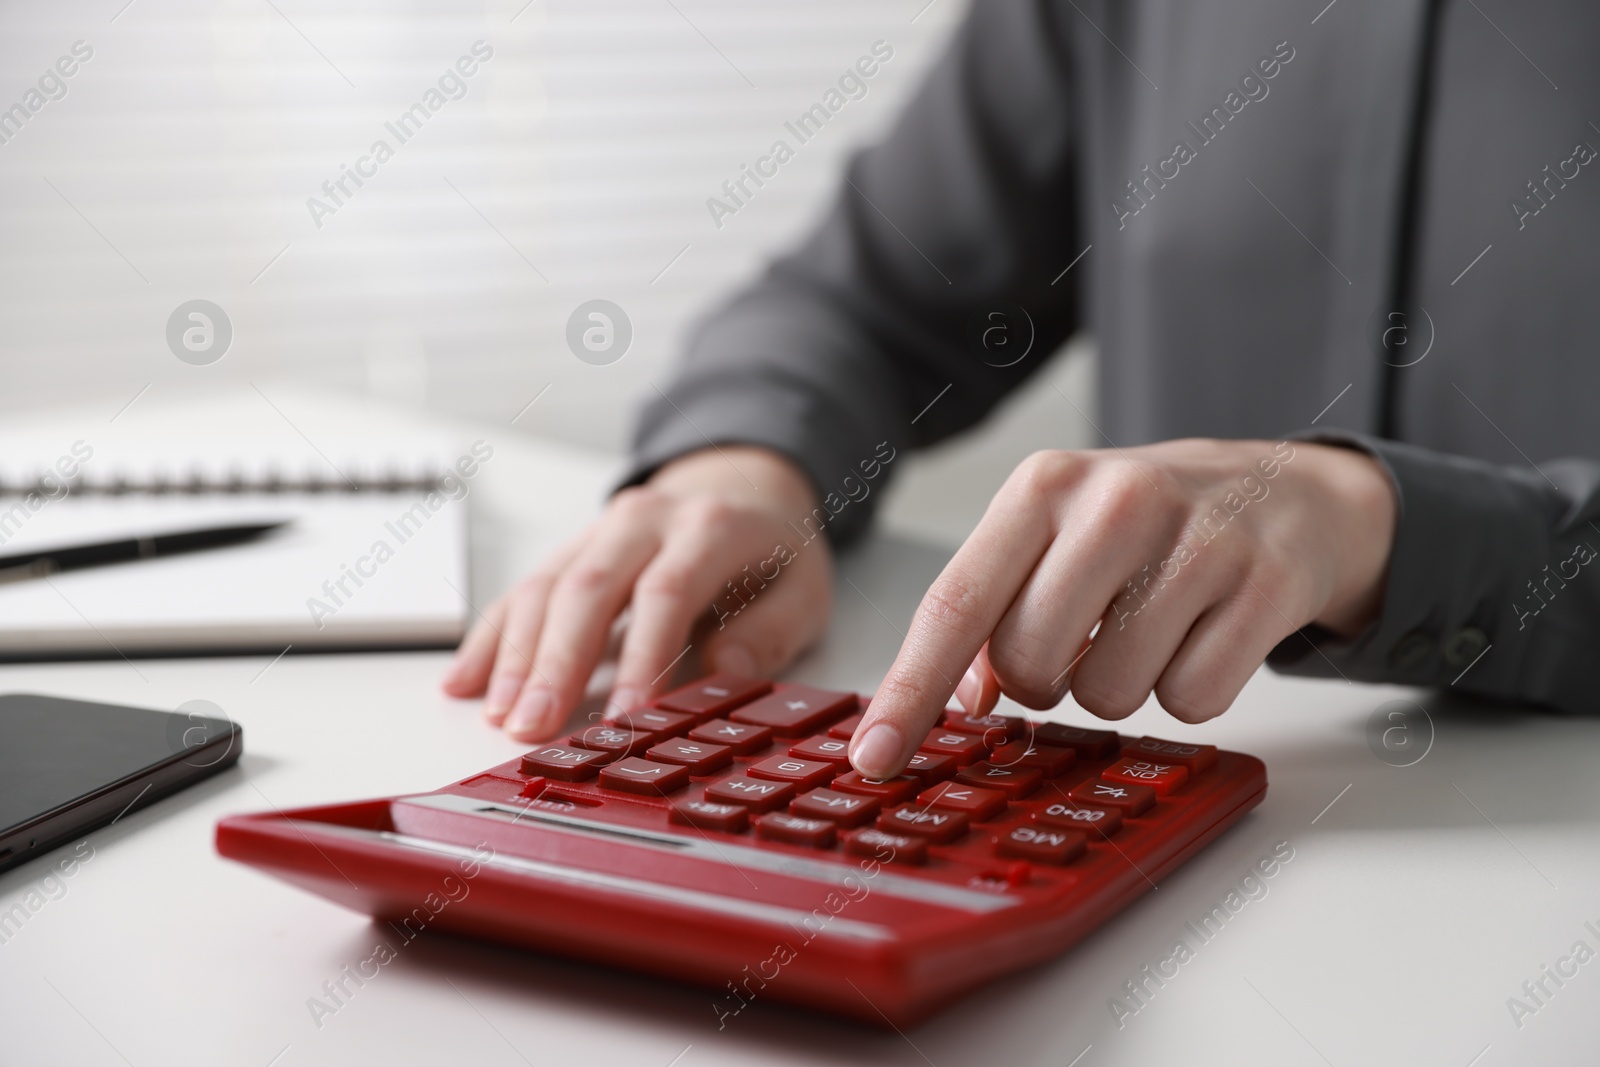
[673, 550]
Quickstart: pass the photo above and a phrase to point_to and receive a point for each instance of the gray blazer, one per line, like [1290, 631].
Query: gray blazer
[1377, 222]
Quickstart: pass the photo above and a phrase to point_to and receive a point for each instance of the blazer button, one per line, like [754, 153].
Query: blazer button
[1464, 646]
[1411, 651]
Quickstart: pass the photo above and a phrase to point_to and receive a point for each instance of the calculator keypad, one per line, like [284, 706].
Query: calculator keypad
[731, 756]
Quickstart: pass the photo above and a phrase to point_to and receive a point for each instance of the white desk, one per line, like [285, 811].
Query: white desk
[1395, 935]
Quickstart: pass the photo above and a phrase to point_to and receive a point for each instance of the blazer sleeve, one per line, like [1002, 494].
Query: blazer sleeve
[1493, 585]
[905, 315]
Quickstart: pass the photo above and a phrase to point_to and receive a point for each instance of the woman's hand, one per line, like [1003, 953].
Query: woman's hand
[672, 550]
[1193, 557]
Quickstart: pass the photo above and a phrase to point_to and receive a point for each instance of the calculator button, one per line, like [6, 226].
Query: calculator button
[1194, 758]
[827, 749]
[964, 747]
[757, 794]
[804, 773]
[1131, 800]
[563, 763]
[710, 697]
[656, 722]
[616, 740]
[742, 738]
[707, 815]
[796, 830]
[796, 709]
[886, 848]
[1088, 744]
[1050, 760]
[889, 790]
[930, 767]
[978, 802]
[1042, 844]
[995, 728]
[846, 728]
[698, 756]
[1014, 782]
[1101, 821]
[846, 809]
[939, 825]
[635, 775]
[1162, 777]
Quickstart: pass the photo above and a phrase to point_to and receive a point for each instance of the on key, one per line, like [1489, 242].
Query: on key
[1193, 758]
[635, 775]
[710, 697]
[1162, 777]
[563, 763]
[1042, 844]
[699, 757]
[1014, 782]
[846, 809]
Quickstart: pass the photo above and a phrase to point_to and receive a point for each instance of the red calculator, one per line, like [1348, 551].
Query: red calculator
[719, 836]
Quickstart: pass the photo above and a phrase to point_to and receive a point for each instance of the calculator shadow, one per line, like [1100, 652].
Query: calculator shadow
[682, 1014]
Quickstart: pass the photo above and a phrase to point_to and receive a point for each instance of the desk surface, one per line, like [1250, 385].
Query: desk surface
[1418, 900]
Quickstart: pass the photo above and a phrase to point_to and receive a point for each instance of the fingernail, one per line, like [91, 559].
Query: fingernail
[734, 659]
[526, 720]
[970, 691]
[622, 701]
[877, 752]
[502, 691]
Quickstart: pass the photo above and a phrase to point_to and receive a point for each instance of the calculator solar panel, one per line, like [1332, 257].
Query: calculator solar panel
[719, 836]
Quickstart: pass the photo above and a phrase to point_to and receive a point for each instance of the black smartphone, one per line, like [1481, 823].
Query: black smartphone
[70, 766]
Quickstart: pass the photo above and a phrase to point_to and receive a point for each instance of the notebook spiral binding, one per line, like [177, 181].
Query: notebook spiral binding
[198, 482]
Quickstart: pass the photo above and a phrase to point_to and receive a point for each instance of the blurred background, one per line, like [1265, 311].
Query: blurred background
[179, 159]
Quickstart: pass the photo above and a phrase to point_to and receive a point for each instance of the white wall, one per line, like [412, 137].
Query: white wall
[179, 163]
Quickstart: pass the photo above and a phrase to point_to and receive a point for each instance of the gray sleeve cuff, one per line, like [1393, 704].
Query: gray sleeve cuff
[1471, 539]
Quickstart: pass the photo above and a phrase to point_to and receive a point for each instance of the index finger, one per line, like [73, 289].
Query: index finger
[955, 618]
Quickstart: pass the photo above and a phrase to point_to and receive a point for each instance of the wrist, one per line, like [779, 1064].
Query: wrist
[749, 474]
[1365, 511]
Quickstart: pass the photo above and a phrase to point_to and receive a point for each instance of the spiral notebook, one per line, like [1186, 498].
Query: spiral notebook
[372, 554]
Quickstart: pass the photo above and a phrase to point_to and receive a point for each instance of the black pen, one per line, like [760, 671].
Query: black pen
[24, 565]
